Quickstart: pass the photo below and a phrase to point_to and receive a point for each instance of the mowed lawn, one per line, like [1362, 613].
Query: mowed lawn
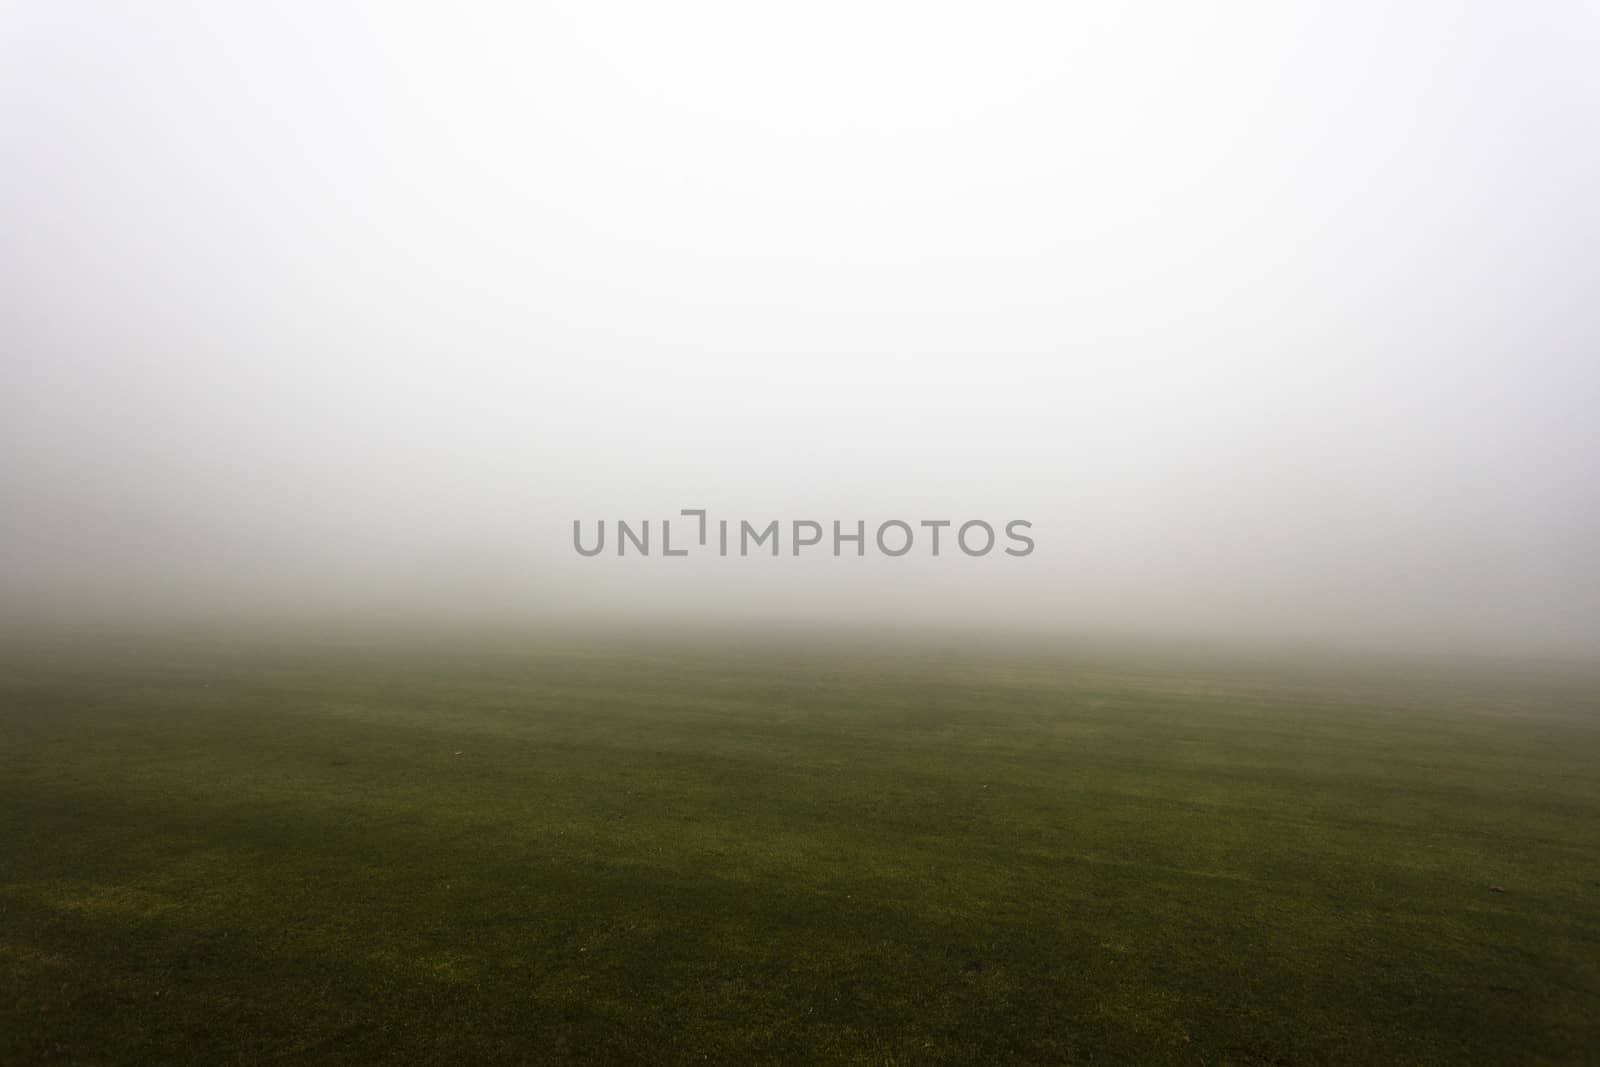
[746, 850]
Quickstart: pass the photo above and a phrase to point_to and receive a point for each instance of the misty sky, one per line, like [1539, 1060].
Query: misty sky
[1275, 319]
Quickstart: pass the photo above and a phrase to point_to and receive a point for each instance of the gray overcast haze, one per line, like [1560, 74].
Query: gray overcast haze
[1275, 319]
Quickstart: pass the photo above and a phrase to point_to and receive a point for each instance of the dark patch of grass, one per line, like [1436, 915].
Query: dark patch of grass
[728, 851]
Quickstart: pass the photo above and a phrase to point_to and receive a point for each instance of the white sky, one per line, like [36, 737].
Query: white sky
[1275, 319]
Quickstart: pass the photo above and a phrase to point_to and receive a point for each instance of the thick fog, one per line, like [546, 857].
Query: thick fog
[1274, 320]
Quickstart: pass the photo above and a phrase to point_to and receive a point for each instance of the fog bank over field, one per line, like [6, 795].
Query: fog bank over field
[1273, 321]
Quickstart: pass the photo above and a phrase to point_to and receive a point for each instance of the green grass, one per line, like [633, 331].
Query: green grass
[742, 851]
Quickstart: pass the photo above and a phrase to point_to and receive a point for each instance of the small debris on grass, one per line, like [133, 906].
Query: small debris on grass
[458, 753]
[1497, 889]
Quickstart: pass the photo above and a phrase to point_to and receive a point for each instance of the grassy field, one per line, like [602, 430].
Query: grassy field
[746, 851]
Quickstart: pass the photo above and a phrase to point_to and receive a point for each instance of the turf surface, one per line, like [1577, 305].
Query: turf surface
[730, 850]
